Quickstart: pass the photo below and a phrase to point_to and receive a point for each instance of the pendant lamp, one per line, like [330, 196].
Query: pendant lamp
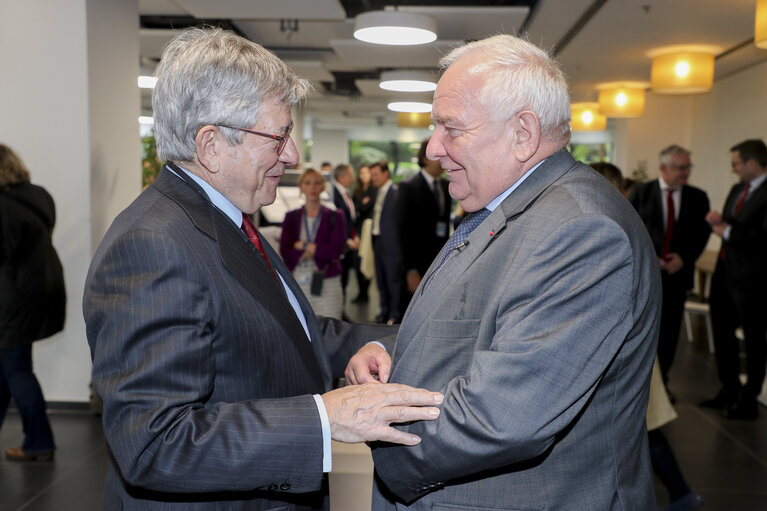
[682, 69]
[394, 28]
[760, 29]
[586, 117]
[622, 99]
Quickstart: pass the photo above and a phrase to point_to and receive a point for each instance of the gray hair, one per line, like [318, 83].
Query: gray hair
[665, 155]
[520, 76]
[211, 76]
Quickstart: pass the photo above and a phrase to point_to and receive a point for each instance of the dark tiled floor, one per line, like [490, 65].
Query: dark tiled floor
[724, 461]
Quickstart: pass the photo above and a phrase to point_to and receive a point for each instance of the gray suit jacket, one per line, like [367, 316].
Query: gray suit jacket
[541, 333]
[205, 371]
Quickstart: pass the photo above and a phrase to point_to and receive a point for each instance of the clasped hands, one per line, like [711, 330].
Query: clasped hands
[364, 410]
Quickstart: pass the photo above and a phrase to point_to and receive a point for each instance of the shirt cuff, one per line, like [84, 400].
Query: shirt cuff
[726, 233]
[327, 453]
[381, 345]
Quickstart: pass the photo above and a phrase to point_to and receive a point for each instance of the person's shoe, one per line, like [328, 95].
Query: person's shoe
[720, 402]
[690, 501]
[18, 454]
[380, 319]
[745, 409]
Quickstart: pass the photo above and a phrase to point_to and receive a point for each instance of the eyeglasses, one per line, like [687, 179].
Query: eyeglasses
[282, 139]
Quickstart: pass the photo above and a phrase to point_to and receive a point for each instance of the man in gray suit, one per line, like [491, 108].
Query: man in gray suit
[539, 325]
[214, 372]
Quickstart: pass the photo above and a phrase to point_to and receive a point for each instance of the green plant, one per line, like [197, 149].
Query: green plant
[150, 165]
[639, 173]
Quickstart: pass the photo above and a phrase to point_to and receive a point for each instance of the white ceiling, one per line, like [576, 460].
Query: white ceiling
[595, 40]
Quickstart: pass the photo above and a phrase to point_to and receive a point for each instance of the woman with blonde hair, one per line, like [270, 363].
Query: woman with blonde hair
[312, 241]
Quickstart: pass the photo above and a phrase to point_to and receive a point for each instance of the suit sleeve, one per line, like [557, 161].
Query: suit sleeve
[288, 236]
[563, 315]
[331, 245]
[699, 231]
[153, 326]
[404, 216]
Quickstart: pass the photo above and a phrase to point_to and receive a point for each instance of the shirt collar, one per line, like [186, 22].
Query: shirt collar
[428, 177]
[754, 183]
[497, 201]
[215, 197]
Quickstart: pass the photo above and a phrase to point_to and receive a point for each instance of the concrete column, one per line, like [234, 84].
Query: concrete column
[69, 106]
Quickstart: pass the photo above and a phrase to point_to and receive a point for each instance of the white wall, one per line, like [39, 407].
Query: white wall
[67, 120]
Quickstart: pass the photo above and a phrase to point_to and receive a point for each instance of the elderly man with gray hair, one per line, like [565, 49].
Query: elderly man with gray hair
[538, 320]
[675, 216]
[214, 371]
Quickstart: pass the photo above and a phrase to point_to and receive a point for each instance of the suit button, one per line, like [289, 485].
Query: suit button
[284, 486]
[272, 487]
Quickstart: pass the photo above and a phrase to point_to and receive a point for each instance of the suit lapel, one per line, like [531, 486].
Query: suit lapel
[753, 203]
[489, 230]
[242, 260]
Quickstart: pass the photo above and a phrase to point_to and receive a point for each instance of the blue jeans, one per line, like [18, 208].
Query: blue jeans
[18, 380]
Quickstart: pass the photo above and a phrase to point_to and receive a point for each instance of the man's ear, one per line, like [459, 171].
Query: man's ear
[207, 144]
[527, 135]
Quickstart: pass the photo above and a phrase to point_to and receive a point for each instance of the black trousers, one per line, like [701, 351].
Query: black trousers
[672, 310]
[733, 306]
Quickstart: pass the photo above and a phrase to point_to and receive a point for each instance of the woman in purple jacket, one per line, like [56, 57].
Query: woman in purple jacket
[312, 241]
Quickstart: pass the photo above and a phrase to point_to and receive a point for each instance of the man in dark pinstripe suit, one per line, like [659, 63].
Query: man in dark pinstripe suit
[214, 372]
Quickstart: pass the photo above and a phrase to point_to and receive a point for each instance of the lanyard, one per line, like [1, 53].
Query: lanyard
[311, 234]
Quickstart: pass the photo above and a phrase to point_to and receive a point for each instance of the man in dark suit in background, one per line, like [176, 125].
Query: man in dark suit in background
[386, 249]
[675, 216]
[738, 296]
[343, 178]
[423, 217]
[214, 371]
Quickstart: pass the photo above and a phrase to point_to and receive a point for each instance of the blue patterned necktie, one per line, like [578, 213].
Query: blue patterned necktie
[469, 223]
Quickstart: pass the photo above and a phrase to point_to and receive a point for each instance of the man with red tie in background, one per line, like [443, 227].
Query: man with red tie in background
[737, 288]
[675, 216]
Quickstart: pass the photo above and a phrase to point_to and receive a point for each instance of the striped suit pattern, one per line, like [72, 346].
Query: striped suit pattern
[204, 368]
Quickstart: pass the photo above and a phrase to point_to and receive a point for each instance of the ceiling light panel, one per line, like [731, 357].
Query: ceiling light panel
[249, 9]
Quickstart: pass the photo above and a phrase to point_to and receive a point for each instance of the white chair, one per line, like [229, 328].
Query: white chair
[703, 309]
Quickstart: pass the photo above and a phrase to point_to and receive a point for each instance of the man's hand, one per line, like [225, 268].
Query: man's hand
[363, 413]
[672, 264]
[413, 279]
[713, 218]
[369, 365]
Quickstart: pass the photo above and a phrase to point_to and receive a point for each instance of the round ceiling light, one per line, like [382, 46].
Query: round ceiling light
[409, 106]
[408, 81]
[394, 28]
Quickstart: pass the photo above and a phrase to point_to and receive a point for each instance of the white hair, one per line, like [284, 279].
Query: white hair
[211, 76]
[520, 76]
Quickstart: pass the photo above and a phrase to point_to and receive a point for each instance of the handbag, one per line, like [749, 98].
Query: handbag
[318, 277]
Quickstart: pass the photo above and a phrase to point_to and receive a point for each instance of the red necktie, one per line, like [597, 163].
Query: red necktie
[742, 198]
[738, 206]
[250, 231]
[670, 219]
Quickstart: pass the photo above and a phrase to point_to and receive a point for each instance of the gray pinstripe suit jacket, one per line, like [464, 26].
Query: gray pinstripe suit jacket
[541, 333]
[205, 371]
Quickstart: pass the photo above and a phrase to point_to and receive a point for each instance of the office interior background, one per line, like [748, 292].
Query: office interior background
[70, 102]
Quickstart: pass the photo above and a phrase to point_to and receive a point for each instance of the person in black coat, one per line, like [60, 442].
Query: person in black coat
[678, 244]
[423, 217]
[737, 287]
[32, 300]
